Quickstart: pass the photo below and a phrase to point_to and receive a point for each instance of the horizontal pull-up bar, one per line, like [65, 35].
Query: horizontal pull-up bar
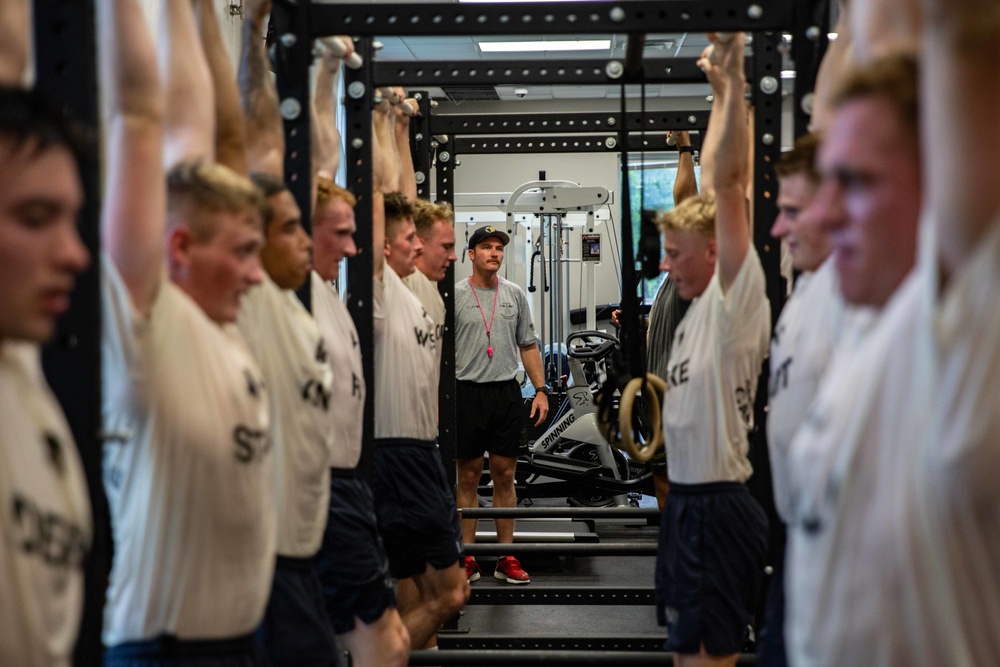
[537, 595]
[585, 143]
[559, 512]
[561, 549]
[568, 72]
[532, 658]
[571, 122]
[561, 642]
[550, 18]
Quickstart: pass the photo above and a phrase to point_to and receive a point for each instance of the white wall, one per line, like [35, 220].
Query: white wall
[502, 174]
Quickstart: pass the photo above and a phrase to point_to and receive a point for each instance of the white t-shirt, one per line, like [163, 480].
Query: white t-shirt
[430, 298]
[286, 342]
[427, 292]
[715, 363]
[406, 358]
[801, 345]
[45, 521]
[954, 491]
[191, 487]
[848, 514]
[348, 401]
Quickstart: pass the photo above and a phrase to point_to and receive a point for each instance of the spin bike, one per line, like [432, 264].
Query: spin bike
[572, 459]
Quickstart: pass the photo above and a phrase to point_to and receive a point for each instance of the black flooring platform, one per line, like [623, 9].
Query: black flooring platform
[591, 603]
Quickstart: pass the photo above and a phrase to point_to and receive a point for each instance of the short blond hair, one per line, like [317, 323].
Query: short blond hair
[694, 214]
[327, 191]
[894, 77]
[425, 214]
[196, 187]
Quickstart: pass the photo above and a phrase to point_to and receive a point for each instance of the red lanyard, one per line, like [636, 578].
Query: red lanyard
[489, 327]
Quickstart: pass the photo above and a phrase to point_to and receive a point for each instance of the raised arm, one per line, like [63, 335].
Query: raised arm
[884, 26]
[378, 205]
[325, 137]
[230, 131]
[730, 167]
[15, 29]
[960, 100]
[265, 134]
[407, 178]
[838, 57]
[189, 122]
[685, 183]
[385, 119]
[133, 215]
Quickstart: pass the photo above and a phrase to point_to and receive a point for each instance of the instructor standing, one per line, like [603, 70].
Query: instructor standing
[492, 327]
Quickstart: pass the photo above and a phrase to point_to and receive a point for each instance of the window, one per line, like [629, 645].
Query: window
[657, 178]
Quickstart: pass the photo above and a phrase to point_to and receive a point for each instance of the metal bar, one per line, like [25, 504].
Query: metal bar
[66, 69]
[560, 512]
[580, 143]
[549, 537]
[447, 411]
[292, 57]
[481, 642]
[357, 142]
[810, 39]
[540, 658]
[573, 72]
[420, 143]
[561, 595]
[767, 151]
[551, 18]
[569, 122]
[603, 549]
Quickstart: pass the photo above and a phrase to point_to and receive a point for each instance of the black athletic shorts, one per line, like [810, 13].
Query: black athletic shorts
[295, 629]
[415, 506]
[709, 566]
[351, 563]
[245, 651]
[490, 418]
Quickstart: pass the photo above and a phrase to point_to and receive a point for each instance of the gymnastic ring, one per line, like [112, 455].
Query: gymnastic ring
[657, 387]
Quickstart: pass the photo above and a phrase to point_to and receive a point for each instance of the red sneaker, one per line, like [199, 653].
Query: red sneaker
[472, 570]
[509, 569]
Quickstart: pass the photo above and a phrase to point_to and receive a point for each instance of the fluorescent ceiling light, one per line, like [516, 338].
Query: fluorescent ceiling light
[566, 45]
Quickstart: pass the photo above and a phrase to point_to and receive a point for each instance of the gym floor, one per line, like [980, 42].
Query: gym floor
[566, 626]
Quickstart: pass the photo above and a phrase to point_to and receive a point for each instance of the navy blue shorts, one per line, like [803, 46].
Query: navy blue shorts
[168, 651]
[492, 419]
[351, 563]
[709, 566]
[295, 629]
[415, 506]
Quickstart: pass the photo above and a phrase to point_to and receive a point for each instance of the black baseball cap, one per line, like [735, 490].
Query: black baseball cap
[485, 232]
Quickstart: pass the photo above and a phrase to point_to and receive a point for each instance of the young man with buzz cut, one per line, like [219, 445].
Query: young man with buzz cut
[413, 498]
[435, 226]
[190, 479]
[493, 330]
[353, 567]
[358, 590]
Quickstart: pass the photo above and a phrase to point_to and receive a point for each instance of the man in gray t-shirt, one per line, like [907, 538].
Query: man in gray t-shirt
[492, 328]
